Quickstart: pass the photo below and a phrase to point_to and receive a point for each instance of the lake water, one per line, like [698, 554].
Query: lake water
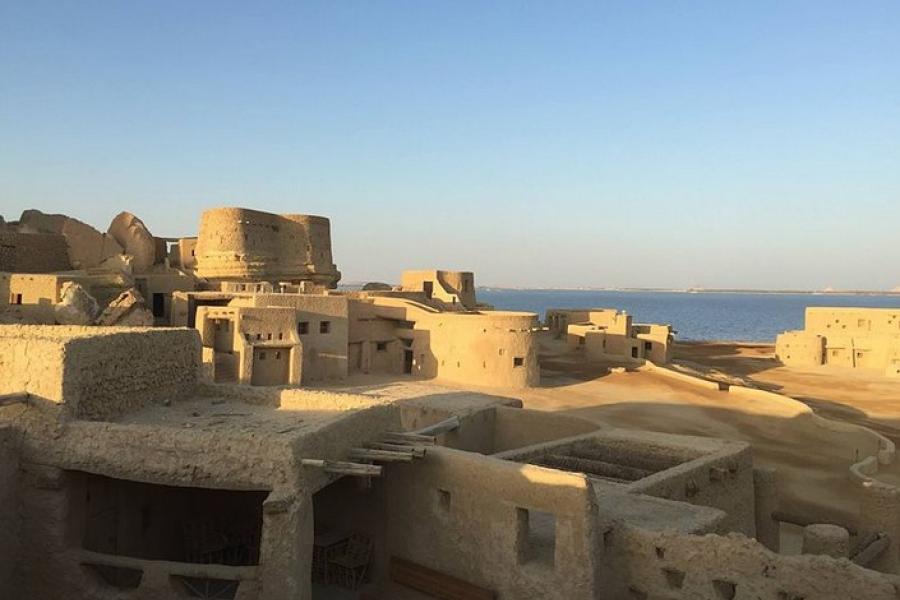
[703, 316]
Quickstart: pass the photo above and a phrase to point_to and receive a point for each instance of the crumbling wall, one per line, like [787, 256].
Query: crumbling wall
[660, 564]
[30, 363]
[126, 368]
[87, 247]
[33, 252]
[98, 372]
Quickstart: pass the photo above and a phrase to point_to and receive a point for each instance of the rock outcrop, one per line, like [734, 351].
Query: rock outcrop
[87, 247]
[131, 233]
[76, 306]
[128, 309]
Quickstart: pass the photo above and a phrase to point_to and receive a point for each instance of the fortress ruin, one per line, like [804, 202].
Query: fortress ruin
[212, 417]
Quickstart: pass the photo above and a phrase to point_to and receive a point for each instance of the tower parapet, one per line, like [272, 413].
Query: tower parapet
[238, 243]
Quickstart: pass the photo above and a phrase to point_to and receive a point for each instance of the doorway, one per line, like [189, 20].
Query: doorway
[407, 361]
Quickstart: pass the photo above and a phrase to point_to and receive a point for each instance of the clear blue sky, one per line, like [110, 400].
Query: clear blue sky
[752, 144]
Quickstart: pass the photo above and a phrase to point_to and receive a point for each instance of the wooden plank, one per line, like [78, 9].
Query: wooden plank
[416, 451]
[403, 437]
[440, 427]
[343, 468]
[436, 584]
[380, 455]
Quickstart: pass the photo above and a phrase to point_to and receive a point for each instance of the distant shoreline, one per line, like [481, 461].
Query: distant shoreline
[697, 291]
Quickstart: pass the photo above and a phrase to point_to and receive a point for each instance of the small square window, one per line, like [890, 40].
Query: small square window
[303, 327]
[325, 327]
[381, 346]
[443, 497]
[262, 356]
[518, 361]
[269, 336]
[259, 336]
[247, 336]
[278, 356]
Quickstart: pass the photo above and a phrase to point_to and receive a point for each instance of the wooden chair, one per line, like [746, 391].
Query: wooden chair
[350, 567]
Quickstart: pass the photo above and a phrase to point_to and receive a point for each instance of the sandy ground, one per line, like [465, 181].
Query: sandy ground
[812, 461]
[852, 395]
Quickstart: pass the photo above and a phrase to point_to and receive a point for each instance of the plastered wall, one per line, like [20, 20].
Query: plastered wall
[460, 513]
[490, 348]
[327, 331]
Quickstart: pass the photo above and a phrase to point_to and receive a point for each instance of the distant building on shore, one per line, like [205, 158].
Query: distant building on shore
[610, 334]
[864, 338]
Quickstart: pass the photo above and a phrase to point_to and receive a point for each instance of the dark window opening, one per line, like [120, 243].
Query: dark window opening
[17, 299]
[159, 304]
[518, 361]
[536, 536]
[158, 522]
[262, 356]
[444, 500]
[648, 346]
[303, 327]
[381, 346]
[428, 288]
[634, 352]
[325, 327]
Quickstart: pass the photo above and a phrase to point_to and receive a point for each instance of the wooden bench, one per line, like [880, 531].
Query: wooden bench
[436, 584]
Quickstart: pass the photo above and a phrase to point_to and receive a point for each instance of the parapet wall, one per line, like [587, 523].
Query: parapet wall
[238, 243]
[663, 564]
[97, 372]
